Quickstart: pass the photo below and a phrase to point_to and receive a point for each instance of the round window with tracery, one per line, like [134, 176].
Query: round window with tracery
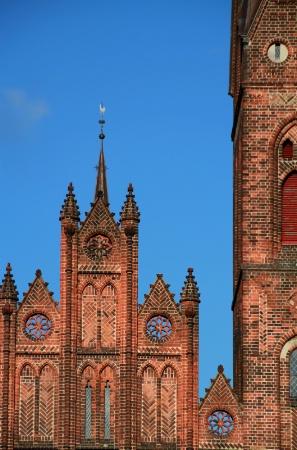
[159, 328]
[220, 423]
[38, 326]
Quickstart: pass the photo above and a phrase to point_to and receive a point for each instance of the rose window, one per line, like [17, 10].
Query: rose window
[159, 328]
[220, 423]
[38, 326]
[98, 246]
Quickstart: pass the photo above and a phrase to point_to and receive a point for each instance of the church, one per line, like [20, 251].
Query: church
[99, 371]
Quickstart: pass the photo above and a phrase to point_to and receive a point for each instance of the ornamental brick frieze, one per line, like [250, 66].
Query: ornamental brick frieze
[114, 269]
[38, 349]
[283, 99]
[144, 357]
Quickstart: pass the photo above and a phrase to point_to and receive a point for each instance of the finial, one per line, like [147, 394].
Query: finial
[221, 369]
[38, 273]
[102, 122]
[130, 188]
[101, 182]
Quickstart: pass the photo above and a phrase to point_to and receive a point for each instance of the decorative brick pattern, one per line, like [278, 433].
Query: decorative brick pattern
[168, 405]
[108, 317]
[89, 316]
[47, 390]
[149, 406]
[27, 404]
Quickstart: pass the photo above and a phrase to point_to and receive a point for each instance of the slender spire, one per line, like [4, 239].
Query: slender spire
[130, 209]
[8, 288]
[101, 181]
[190, 291]
[70, 209]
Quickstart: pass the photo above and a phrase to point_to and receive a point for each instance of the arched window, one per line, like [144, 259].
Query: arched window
[89, 316]
[27, 404]
[293, 374]
[107, 404]
[88, 403]
[149, 406]
[288, 149]
[168, 405]
[289, 209]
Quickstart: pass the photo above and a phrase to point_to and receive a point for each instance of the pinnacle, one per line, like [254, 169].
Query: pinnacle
[130, 209]
[70, 209]
[190, 291]
[8, 289]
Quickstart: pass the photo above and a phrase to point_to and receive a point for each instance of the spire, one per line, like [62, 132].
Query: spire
[190, 291]
[8, 288]
[101, 181]
[130, 209]
[70, 209]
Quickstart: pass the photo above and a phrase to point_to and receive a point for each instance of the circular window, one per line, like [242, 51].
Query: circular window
[159, 328]
[98, 246]
[38, 326]
[220, 423]
[278, 52]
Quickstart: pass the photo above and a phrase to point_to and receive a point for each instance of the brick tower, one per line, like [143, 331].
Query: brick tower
[97, 371]
[263, 85]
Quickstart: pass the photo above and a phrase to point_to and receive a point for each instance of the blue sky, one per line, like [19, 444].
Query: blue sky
[161, 69]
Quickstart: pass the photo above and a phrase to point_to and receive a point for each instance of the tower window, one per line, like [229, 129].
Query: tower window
[277, 51]
[293, 375]
[288, 149]
[88, 427]
[107, 411]
[289, 209]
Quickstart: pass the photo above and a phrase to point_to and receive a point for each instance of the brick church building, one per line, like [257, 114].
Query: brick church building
[82, 375]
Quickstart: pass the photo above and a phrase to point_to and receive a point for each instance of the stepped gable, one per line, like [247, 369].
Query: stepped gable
[220, 414]
[159, 303]
[8, 289]
[99, 239]
[38, 319]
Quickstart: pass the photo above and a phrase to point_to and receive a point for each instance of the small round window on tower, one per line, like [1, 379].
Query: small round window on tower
[278, 52]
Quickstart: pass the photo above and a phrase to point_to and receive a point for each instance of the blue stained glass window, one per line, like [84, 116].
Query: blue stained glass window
[88, 424]
[293, 374]
[107, 411]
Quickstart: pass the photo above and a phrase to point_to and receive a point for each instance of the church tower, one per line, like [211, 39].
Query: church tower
[263, 86]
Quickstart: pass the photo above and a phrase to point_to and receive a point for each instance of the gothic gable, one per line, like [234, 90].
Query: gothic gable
[220, 414]
[38, 319]
[159, 318]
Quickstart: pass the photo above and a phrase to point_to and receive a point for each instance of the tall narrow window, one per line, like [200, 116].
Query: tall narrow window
[88, 424]
[293, 375]
[107, 411]
[288, 149]
[107, 404]
[88, 404]
[289, 209]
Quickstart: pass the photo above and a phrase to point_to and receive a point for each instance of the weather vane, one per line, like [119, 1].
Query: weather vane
[102, 122]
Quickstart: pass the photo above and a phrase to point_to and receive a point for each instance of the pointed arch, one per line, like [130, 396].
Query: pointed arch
[149, 405]
[88, 403]
[168, 404]
[89, 316]
[47, 406]
[108, 316]
[27, 404]
[289, 209]
[107, 403]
